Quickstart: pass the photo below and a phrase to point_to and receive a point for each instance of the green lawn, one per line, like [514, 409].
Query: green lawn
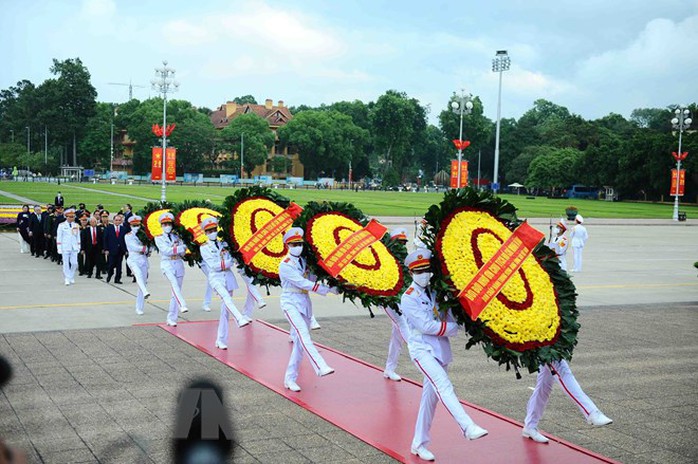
[372, 203]
[7, 200]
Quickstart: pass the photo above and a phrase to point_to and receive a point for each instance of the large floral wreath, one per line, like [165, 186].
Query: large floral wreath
[188, 216]
[375, 277]
[533, 320]
[245, 212]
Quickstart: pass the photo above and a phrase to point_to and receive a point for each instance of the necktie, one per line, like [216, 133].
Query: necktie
[94, 236]
[426, 290]
[169, 236]
[117, 231]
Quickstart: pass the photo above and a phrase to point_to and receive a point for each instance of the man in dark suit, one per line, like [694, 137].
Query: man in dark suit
[36, 232]
[102, 225]
[115, 248]
[47, 224]
[59, 200]
[91, 242]
[58, 218]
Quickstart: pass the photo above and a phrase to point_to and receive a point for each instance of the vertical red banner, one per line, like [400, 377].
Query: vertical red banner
[682, 182]
[463, 174]
[171, 164]
[156, 169]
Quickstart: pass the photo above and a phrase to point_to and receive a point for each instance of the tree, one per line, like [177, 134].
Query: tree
[258, 139]
[434, 152]
[279, 164]
[95, 146]
[10, 153]
[245, 99]
[326, 141]
[554, 168]
[398, 124]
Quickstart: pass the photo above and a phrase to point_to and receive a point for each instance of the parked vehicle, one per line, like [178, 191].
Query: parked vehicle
[581, 191]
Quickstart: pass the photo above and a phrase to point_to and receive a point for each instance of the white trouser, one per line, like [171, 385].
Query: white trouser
[253, 296]
[70, 263]
[577, 259]
[544, 385]
[139, 267]
[209, 291]
[300, 332]
[174, 272]
[437, 387]
[398, 337]
[217, 282]
[563, 261]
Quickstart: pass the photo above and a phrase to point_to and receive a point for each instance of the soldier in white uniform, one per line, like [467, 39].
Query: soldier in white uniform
[68, 245]
[578, 237]
[296, 283]
[547, 375]
[400, 332]
[559, 243]
[171, 249]
[431, 352]
[219, 262]
[137, 261]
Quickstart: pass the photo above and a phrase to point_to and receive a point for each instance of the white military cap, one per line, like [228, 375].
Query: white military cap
[135, 218]
[69, 210]
[419, 258]
[579, 218]
[166, 217]
[399, 233]
[209, 222]
[561, 224]
[294, 234]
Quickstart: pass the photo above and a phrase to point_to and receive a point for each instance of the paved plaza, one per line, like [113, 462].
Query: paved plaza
[89, 386]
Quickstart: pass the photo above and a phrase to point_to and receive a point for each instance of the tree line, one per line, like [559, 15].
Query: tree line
[391, 139]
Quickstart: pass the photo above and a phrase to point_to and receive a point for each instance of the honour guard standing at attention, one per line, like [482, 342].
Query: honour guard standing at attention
[137, 260]
[68, 245]
[171, 249]
[430, 350]
[559, 243]
[579, 237]
[219, 262]
[296, 283]
[400, 332]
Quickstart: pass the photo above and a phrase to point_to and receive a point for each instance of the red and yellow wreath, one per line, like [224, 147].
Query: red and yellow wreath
[532, 318]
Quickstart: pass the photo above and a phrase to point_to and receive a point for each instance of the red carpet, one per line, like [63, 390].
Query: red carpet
[360, 401]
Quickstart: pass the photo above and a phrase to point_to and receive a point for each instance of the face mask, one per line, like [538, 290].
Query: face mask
[556, 230]
[212, 236]
[296, 250]
[135, 229]
[422, 279]
[167, 229]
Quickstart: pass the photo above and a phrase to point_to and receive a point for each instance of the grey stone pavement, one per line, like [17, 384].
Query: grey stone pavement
[89, 386]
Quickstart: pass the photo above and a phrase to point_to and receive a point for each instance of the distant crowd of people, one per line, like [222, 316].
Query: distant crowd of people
[101, 246]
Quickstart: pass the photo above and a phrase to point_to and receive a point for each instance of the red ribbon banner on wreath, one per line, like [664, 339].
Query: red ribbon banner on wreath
[461, 144]
[679, 157]
[495, 273]
[275, 227]
[350, 248]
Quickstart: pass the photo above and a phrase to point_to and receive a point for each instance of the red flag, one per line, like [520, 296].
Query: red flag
[461, 144]
[156, 169]
[171, 164]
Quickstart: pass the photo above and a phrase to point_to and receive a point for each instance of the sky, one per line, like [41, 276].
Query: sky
[595, 56]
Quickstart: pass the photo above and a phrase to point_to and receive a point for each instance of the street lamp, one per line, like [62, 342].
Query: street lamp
[111, 143]
[164, 85]
[242, 156]
[680, 121]
[500, 63]
[29, 133]
[462, 104]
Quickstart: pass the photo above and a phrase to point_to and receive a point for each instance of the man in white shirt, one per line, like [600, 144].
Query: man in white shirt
[137, 260]
[68, 245]
[219, 263]
[171, 249]
[296, 283]
[559, 243]
[430, 350]
[578, 237]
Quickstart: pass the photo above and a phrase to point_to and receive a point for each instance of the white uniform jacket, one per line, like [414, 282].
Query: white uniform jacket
[137, 251]
[579, 236]
[296, 283]
[428, 329]
[558, 245]
[171, 248]
[68, 237]
[217, 261]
